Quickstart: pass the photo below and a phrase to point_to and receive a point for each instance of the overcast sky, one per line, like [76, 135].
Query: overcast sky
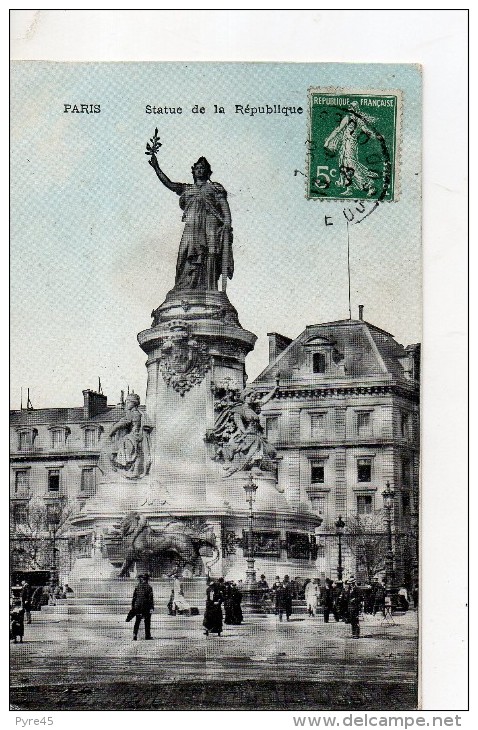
[95, 235]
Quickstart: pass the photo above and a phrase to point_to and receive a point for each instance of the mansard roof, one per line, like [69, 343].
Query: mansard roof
[62, 416]
[362, 348]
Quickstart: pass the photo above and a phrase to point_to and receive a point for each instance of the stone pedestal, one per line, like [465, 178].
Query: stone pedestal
[195, 347]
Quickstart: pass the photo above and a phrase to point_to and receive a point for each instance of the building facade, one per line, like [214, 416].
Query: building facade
[344, 423]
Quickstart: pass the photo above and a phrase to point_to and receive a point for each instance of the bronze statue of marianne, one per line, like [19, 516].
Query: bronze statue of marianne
[205, 252]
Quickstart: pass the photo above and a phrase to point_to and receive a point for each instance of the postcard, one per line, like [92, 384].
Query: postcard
[216, 346]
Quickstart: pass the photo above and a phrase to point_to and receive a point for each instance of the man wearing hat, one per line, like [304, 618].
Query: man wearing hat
[142, 606]
[353, 607]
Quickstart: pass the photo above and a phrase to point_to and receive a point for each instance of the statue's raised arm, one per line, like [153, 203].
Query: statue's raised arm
[176, 187]
[205, 251]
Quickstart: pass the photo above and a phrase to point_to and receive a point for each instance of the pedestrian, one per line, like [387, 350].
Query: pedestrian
[404, 601]
[327, 599]
[213, 613]
[27, 601]
[278, 599]
[179, 604]
[312, 593]
[370, 598]
[379, 603]
[287, 597]
[263, 587]
[142, 606]
[228, 609]
[353, 607]
[17, 621]
[45, 596]
[262, 584]
[51, 593]
[339, 602]
[36, 598]
[232, 604]
[415, 596]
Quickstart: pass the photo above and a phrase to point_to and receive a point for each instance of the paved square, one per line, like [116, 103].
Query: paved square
[71, 663]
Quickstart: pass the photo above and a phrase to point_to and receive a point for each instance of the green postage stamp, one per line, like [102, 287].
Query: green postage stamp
[354, 144]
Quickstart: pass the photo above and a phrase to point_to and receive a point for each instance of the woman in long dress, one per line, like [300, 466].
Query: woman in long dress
[353, 174]
[205, 251]
[213, 614]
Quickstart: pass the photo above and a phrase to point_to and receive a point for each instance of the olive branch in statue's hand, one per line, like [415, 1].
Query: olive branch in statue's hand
[152, 148]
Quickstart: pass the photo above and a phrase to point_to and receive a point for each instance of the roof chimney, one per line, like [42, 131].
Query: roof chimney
[93, 403]
[277, 344]
[360, 306]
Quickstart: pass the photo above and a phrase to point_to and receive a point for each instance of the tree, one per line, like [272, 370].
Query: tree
[35, 527]
[366, 539]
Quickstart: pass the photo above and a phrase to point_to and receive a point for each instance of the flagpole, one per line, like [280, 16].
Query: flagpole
[348, 268]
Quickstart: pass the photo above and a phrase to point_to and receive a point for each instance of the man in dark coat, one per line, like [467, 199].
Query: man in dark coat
[284, 599]
[353, 607]
[328, 602]
[142, 606]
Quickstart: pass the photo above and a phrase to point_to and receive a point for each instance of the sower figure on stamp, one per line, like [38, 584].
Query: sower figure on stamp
[205, 252]
[142, 606]
[345, 139]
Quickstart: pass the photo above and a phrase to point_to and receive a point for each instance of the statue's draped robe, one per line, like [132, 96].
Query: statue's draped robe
[134, 449]
[203, 237]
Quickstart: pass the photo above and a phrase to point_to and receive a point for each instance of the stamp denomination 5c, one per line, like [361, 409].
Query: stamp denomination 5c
[354, 140]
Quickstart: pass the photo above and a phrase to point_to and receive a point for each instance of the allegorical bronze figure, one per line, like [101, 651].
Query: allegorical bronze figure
[205, 251]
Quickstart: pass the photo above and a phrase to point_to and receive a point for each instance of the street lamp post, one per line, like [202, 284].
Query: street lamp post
[388, 495]
[339, 527]
[53, 523]
[250, 488]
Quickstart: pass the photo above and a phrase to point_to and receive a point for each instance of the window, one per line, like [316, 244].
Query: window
[20, 514]
[321, 504]
[405, 425]
[317, 472]
[318, 362]
[364, 470]
[406, 472]
[57, 438]
[317, 425]
[88, 481]
[321, 550]
[364, 423]
[91, 437]
[26, 438]
[22, 481]
[364, 504]
[405, 504]
[54, 480]
[272, 428]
